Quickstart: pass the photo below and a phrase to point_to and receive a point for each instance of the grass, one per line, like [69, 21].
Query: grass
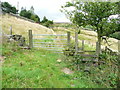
[38, 68]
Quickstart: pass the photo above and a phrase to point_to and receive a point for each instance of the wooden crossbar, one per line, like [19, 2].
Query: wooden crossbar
[87, 59]
[87, 55]
[85, 51]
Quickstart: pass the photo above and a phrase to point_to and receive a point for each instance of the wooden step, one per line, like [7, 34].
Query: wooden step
[87, 55]
[87, 59]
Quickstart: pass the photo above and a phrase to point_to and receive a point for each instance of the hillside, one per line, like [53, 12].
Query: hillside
[21, 26]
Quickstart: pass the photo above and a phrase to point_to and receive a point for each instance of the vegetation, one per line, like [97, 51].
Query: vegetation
[95, 14]
[30, 14]
[38, 68]
[46, 22]
[116, 35]
[6, 7]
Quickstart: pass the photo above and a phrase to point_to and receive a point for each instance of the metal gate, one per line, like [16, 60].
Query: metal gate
[53, 42]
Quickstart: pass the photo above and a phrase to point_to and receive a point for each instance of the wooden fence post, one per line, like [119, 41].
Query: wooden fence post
[119, 46]
[83, 45]
[118, 81]
[68, 39]
[30, 39]
[76, 42]
[119, 50]
[11, 30]
[97, 49]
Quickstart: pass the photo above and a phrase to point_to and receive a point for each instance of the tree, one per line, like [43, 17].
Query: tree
[6, 7]
[30, 15]
[46, 22]
[25, 13]
[35, 18]
[95, 14]
[44, 19]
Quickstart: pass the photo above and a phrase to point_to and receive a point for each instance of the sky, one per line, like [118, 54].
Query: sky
[48, 8]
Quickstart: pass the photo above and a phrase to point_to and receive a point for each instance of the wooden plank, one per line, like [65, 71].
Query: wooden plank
[48, 39]
[49, 35]
[85, 51]
[87, 55]
[68, 39]
[86, 59]
[30, 39]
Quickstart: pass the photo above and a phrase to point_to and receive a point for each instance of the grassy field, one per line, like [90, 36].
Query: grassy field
[38, 68]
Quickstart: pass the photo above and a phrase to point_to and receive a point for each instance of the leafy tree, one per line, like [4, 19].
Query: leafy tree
[6, 7]
[28, 14]
[46, 22]
[35, 18]
[95, 14]
[25, 13]
[44, 19]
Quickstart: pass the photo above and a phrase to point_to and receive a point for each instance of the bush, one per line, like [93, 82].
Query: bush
[115, 35]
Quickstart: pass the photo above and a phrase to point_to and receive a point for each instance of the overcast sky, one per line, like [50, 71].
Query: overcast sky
[48, 8]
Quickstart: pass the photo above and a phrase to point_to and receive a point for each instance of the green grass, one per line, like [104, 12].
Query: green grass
[38, 68]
